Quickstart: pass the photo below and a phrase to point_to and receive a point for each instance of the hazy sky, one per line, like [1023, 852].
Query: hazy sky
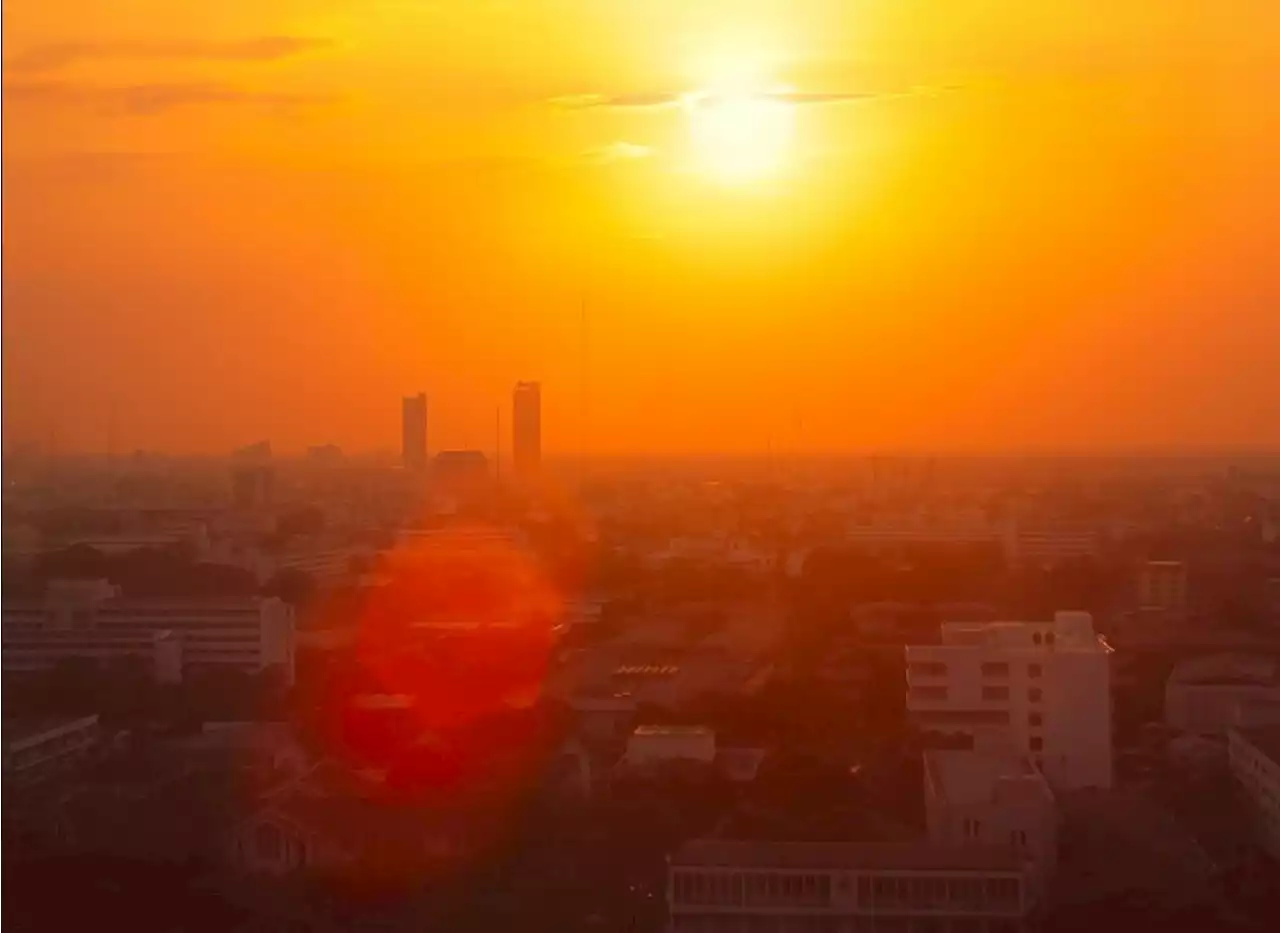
[985, 223]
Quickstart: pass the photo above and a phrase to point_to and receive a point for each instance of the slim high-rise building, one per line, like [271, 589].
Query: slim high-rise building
[413, 443]
[526, 429]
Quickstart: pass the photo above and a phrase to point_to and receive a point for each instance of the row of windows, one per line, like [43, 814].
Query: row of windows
[993, 669]
[775, 888]
[809, 923]
[989, 693]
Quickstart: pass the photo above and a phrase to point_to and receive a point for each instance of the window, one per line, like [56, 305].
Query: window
[929, 693]
[1034, 671]
[1048, 639]
[995, 693]
[1035, 720]
[1035, 694]
[995, 669]
[929, 669]
[1035, 638]
[1037, 743]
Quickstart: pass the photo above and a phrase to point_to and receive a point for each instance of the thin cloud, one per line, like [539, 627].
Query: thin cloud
[151, 99]
[657, 100]
[46, 58]
[620, 151]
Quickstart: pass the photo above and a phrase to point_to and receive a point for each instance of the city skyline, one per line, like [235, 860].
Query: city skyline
[1007, 227]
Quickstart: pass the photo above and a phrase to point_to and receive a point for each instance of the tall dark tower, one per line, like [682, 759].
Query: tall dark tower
[526, 429]
[413, 433]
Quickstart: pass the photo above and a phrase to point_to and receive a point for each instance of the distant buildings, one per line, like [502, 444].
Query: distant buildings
[1255, 764]
[526, 429]
[1040, 689]
[1162, 587]
[324, 455]
[1209, 695]
[460, 474]
[413, 433]
[252, 476]
[89, 620]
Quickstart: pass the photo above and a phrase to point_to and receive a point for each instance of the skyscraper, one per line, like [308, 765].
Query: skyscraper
[413, 443]
[526, 429]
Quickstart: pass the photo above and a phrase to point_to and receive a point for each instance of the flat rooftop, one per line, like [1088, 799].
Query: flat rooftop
[21, 729]
[964, 777]
[865, 856]
[673, 730]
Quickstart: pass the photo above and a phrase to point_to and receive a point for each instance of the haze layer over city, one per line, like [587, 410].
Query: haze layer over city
[719, 466]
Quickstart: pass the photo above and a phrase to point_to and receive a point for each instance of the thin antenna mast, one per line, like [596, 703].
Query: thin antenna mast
[582, 389]
[497, 442]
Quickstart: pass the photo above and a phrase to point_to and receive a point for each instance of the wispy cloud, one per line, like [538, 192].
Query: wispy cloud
[46, 58]
[153, 98]
[655, 100]
[619, 151]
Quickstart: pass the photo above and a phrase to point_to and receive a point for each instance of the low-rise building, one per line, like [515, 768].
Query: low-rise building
[650, 745]
[973, 797]
[90, 619]
[1254, 756]
[1209, 695]
[736, 886]
[35, 748]
[1162, 587]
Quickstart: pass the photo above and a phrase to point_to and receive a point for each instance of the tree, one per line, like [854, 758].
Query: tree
[78, 562]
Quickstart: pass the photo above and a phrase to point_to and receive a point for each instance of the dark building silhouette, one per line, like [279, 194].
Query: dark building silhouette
[252, 476]
[462, 475]
[526, 429]
[413, 426]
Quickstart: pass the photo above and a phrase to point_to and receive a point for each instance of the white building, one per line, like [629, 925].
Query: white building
[35, 748]
[650, 745]
[973, 797]
[1040, 689]
[736, 886]
[1255, 764]
[1209, 695]
[1162, 587]
[89, 619]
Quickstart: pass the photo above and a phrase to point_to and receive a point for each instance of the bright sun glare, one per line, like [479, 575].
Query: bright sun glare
[740, 126]
[739, 136]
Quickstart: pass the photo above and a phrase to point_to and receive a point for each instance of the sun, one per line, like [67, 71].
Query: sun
[739, 136]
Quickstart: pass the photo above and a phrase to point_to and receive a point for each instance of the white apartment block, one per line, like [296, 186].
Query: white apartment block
[1039, 689]
[979, 798]
[733, 886]
[1254, 755]
[89, 619]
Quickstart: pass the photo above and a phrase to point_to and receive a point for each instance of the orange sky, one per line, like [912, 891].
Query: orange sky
[996, 224]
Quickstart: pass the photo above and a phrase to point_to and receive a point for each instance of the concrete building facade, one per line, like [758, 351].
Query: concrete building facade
[1254, 756]
[1038, 689]
[733, 886]
[89, 619]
